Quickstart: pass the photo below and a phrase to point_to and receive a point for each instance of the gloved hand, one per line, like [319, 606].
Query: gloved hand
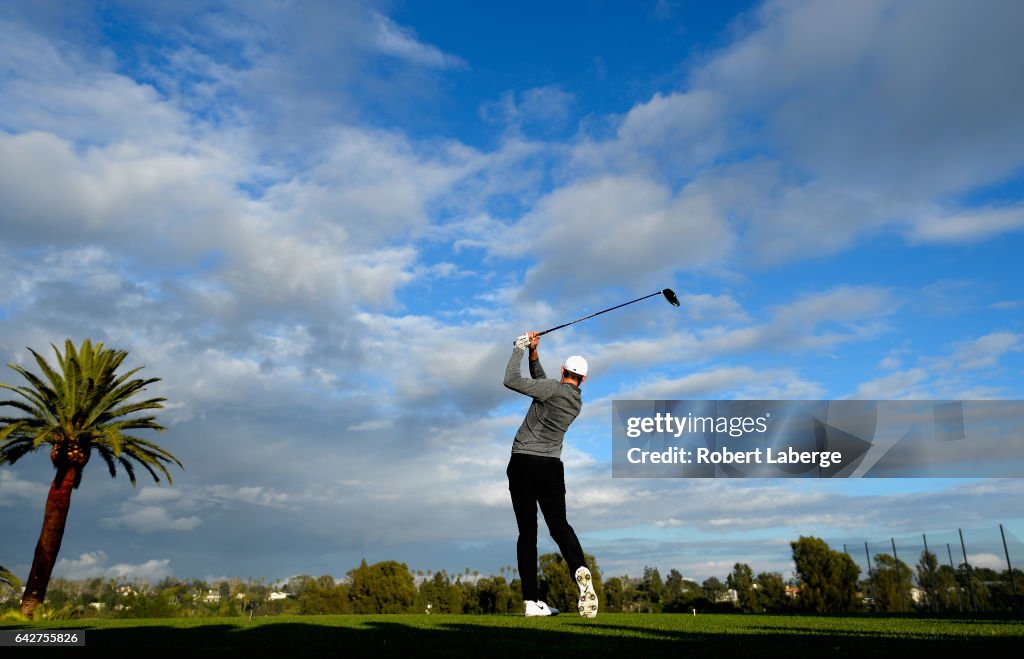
[522, 342]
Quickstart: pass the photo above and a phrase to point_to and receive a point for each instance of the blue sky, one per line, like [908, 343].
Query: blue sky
[322, 224]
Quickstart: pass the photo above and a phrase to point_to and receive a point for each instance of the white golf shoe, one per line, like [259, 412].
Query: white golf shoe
[539, 608]
[588, 598]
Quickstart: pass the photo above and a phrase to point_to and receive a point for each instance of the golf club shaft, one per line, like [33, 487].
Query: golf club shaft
[599, 313]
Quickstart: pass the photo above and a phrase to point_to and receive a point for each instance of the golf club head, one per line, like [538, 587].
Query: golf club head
[671, 297]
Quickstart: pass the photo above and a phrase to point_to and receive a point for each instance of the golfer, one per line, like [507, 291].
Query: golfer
[536, 475]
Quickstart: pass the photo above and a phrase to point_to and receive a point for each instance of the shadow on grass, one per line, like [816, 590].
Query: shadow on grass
[482, 639]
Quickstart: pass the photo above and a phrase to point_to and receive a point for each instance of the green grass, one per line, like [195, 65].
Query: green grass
[480, 637]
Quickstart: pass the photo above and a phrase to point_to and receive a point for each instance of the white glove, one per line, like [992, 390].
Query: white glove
[522, 342]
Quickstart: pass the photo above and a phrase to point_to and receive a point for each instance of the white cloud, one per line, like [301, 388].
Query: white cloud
[183, 508]
[536, 109]
[50, 86]
[987, 560]
[13, 489]
[932, 376]
[95, 564]
[703, 307]
[676, 133]
[817, 320]
[820, 124]
[150, 519]
[613, 230]
[738, 382]
[852, 98]
[907, 384]
[966, 226]
[393, 39]
[985, 351]
[105, 192]
[246, 494]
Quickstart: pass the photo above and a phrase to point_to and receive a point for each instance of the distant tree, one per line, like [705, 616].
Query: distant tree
[516, 586]
[927, 573]
[61, 593]
[257, 591]
[771, 591]
[228, 608]
[81, 406]
[613, 593]
[828, 578]
[556, 587]
[650, 590]
[493, 595]
[680, 595]
[714, 589]
[948, 593]
[470, 596]
[1008, 588]
[741, 580]
[297, 583]
[323, 596]
[971, 582]
[441, 594]
[151, 605]
[384, 587]
[892, 584]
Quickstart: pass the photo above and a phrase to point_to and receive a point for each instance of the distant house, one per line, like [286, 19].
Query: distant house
[792, 592]
[277, 595]
[212, 597]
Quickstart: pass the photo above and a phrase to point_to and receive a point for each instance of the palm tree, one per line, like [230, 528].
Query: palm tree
[8, 577]
[80, 407]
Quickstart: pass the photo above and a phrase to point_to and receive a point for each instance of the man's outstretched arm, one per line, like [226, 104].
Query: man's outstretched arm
[537, 386]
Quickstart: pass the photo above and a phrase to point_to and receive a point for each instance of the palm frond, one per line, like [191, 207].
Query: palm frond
[158, 452]
[7, 577]
[115, 392]
[17, 428]
[136, 423]
[108, 457]
[131, 408]
[15, 449]
[43, 435]
[150, 456]
[130, 470]
[31, 410]
[57, 382]
[39, 393]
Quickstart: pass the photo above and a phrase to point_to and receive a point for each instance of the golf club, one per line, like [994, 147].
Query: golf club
[667, 292]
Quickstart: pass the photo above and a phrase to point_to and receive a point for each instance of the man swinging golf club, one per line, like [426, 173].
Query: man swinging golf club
[536, 475]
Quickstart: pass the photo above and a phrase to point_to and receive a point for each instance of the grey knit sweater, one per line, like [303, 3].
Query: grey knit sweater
[555, 405]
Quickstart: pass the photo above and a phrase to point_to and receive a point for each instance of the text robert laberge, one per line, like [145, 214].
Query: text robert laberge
[677, 455]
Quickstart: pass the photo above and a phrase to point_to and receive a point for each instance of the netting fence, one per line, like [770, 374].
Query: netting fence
[956, 571]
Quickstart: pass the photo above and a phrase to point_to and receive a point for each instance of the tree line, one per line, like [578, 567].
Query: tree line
[825, 581]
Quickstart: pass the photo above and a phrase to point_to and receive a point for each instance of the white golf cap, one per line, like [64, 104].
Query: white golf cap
[576, 364]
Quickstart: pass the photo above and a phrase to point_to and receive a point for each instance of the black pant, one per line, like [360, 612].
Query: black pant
[534, 480]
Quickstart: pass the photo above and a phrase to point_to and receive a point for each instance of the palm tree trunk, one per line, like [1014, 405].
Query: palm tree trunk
[58, 502]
